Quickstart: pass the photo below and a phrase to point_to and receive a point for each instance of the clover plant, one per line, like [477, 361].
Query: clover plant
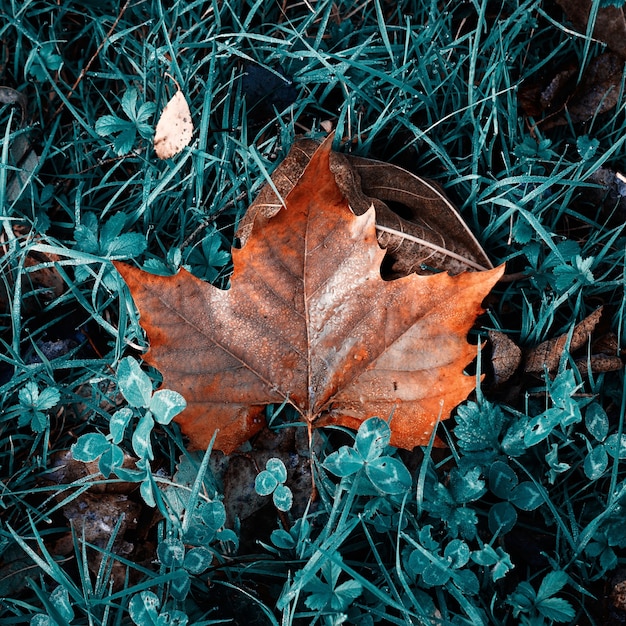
[149, 407]
[271, 481]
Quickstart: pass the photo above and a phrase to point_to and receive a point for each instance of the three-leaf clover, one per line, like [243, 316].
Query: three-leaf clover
[385, 473]
[504, 483]
[271, 481]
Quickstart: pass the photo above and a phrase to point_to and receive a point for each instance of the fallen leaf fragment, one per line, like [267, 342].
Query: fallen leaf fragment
[308, 320]
[600, 88]
[547, 355]
[609, 25]
[105, 518]
[562, 100]
[506, 356]
[174, 129]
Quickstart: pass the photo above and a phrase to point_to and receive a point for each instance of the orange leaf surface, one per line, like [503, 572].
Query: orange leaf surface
[309, 320]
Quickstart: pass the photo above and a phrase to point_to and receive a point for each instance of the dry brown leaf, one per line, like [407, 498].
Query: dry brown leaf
[506, 356]
[429, 234]
[308, 320]
[94, 515]
[561, 96]
[609, 25]
[41, 282]
[600, 88]
[547, 355]
[562, 100]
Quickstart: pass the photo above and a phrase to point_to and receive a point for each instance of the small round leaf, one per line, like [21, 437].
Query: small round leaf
[372, 438]
[457, 552]
[141, 438]
[388, 475]
[502, 518]
[597, 421]
[344, 462]
[283, 540]
[596, 463]
[616, 446]
[118, 423]
[283, 498]
[173, 618]
[180, 585]
[265, 483]
[213, 514]
[277, 468]
[111, 459]
[197, 560]
[435, 575]
[527, 496]
[502, 480]
[89, 447]
[134, 383]
[171, 552]
[166, 404]
[144, 608]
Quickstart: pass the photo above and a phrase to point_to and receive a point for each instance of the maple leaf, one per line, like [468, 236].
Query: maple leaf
[309, 320]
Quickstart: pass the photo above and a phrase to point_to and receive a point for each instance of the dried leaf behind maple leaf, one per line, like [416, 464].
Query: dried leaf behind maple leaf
[563, 101]
[308, 320]
[430, 232]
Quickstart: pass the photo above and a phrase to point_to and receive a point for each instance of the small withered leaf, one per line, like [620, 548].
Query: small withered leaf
[547, 355]
[174, 129]
[506, 356]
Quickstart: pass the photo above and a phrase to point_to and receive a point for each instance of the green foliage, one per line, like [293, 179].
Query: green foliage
[124, 132]
[364, 463]
[207, 259]
[325, 594]
[43, 61]
[110, 243]
[144, 611]
[542, 603]
[149, 407]
[33, 406]
[59, 610]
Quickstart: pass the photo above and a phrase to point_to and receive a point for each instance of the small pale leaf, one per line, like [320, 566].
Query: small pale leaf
[174, 129]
